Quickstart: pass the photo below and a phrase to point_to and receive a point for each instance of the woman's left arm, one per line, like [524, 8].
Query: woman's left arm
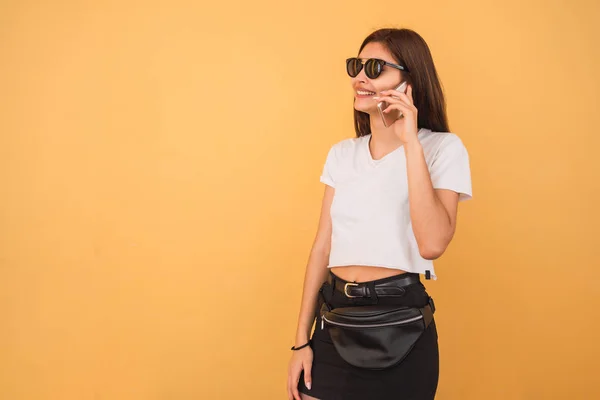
[432, 211]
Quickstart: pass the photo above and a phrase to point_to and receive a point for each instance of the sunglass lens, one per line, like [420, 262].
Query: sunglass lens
[353, 66]
[373, 68]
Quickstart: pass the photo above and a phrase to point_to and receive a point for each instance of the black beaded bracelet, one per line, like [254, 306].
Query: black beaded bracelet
[301, 347]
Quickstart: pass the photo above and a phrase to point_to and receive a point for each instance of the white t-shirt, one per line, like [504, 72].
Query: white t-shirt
[370, 210]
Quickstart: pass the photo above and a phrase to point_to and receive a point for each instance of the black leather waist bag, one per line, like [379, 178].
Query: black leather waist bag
[375, 336]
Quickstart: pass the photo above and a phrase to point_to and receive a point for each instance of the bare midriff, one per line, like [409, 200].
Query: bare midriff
[361, 273]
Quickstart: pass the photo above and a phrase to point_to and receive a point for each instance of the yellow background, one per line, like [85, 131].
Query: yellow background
[159, 184]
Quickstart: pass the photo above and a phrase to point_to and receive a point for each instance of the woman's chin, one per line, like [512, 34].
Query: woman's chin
[367, 110]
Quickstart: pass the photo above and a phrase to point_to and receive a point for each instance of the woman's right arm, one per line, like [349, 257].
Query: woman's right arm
[314, 277]
[316, 269]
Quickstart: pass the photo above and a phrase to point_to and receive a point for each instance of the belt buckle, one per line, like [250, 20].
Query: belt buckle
[346, 289]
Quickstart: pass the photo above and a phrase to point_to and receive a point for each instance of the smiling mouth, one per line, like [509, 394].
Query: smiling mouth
[364, 93]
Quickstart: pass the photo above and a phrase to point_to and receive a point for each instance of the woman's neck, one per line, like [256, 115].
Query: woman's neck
[381, 136]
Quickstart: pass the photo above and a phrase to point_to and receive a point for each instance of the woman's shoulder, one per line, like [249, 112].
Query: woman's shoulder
[437, 143]
[348, 145]
[435, 139]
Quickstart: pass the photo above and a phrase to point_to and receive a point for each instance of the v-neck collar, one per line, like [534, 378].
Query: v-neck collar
[388, 155]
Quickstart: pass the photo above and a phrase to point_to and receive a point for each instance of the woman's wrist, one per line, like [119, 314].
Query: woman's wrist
[413, 146]
[300, 340]
[302, 346]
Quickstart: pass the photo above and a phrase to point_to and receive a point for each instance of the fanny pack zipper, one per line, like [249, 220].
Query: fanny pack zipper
[406, 321]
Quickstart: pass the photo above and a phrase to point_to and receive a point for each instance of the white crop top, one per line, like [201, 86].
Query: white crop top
[370, 210]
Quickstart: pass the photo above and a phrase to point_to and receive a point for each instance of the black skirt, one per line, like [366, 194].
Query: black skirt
[415, 378]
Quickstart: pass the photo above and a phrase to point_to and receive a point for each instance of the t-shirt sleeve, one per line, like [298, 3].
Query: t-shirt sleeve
[329, 169]
[450, 169]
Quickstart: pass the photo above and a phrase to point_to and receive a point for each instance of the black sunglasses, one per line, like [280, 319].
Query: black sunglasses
[373, 66]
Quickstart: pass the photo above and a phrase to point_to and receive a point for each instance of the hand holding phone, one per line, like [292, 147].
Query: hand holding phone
[391, 117]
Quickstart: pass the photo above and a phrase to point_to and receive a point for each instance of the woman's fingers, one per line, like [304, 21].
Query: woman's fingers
[289, 387]
[293, 383]
[398, 106]
[392, 101]
[387, 99]
[300, 362]
[307, 375]
[407, 97]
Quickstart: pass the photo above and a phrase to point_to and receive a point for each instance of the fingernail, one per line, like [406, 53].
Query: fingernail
[308, 385]
[375, 97]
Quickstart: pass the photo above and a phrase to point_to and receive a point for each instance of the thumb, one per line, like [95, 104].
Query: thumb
[307, 375]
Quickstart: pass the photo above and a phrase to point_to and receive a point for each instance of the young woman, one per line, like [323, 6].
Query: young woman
[389, 209]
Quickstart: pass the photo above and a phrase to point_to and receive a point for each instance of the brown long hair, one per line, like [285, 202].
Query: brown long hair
[410, 49]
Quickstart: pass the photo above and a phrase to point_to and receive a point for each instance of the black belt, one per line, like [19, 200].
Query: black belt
[393, 287]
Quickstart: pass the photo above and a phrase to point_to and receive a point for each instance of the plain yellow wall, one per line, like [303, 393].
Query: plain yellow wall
[159, 192]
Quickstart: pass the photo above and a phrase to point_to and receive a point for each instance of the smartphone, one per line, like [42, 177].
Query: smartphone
[392, 116]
